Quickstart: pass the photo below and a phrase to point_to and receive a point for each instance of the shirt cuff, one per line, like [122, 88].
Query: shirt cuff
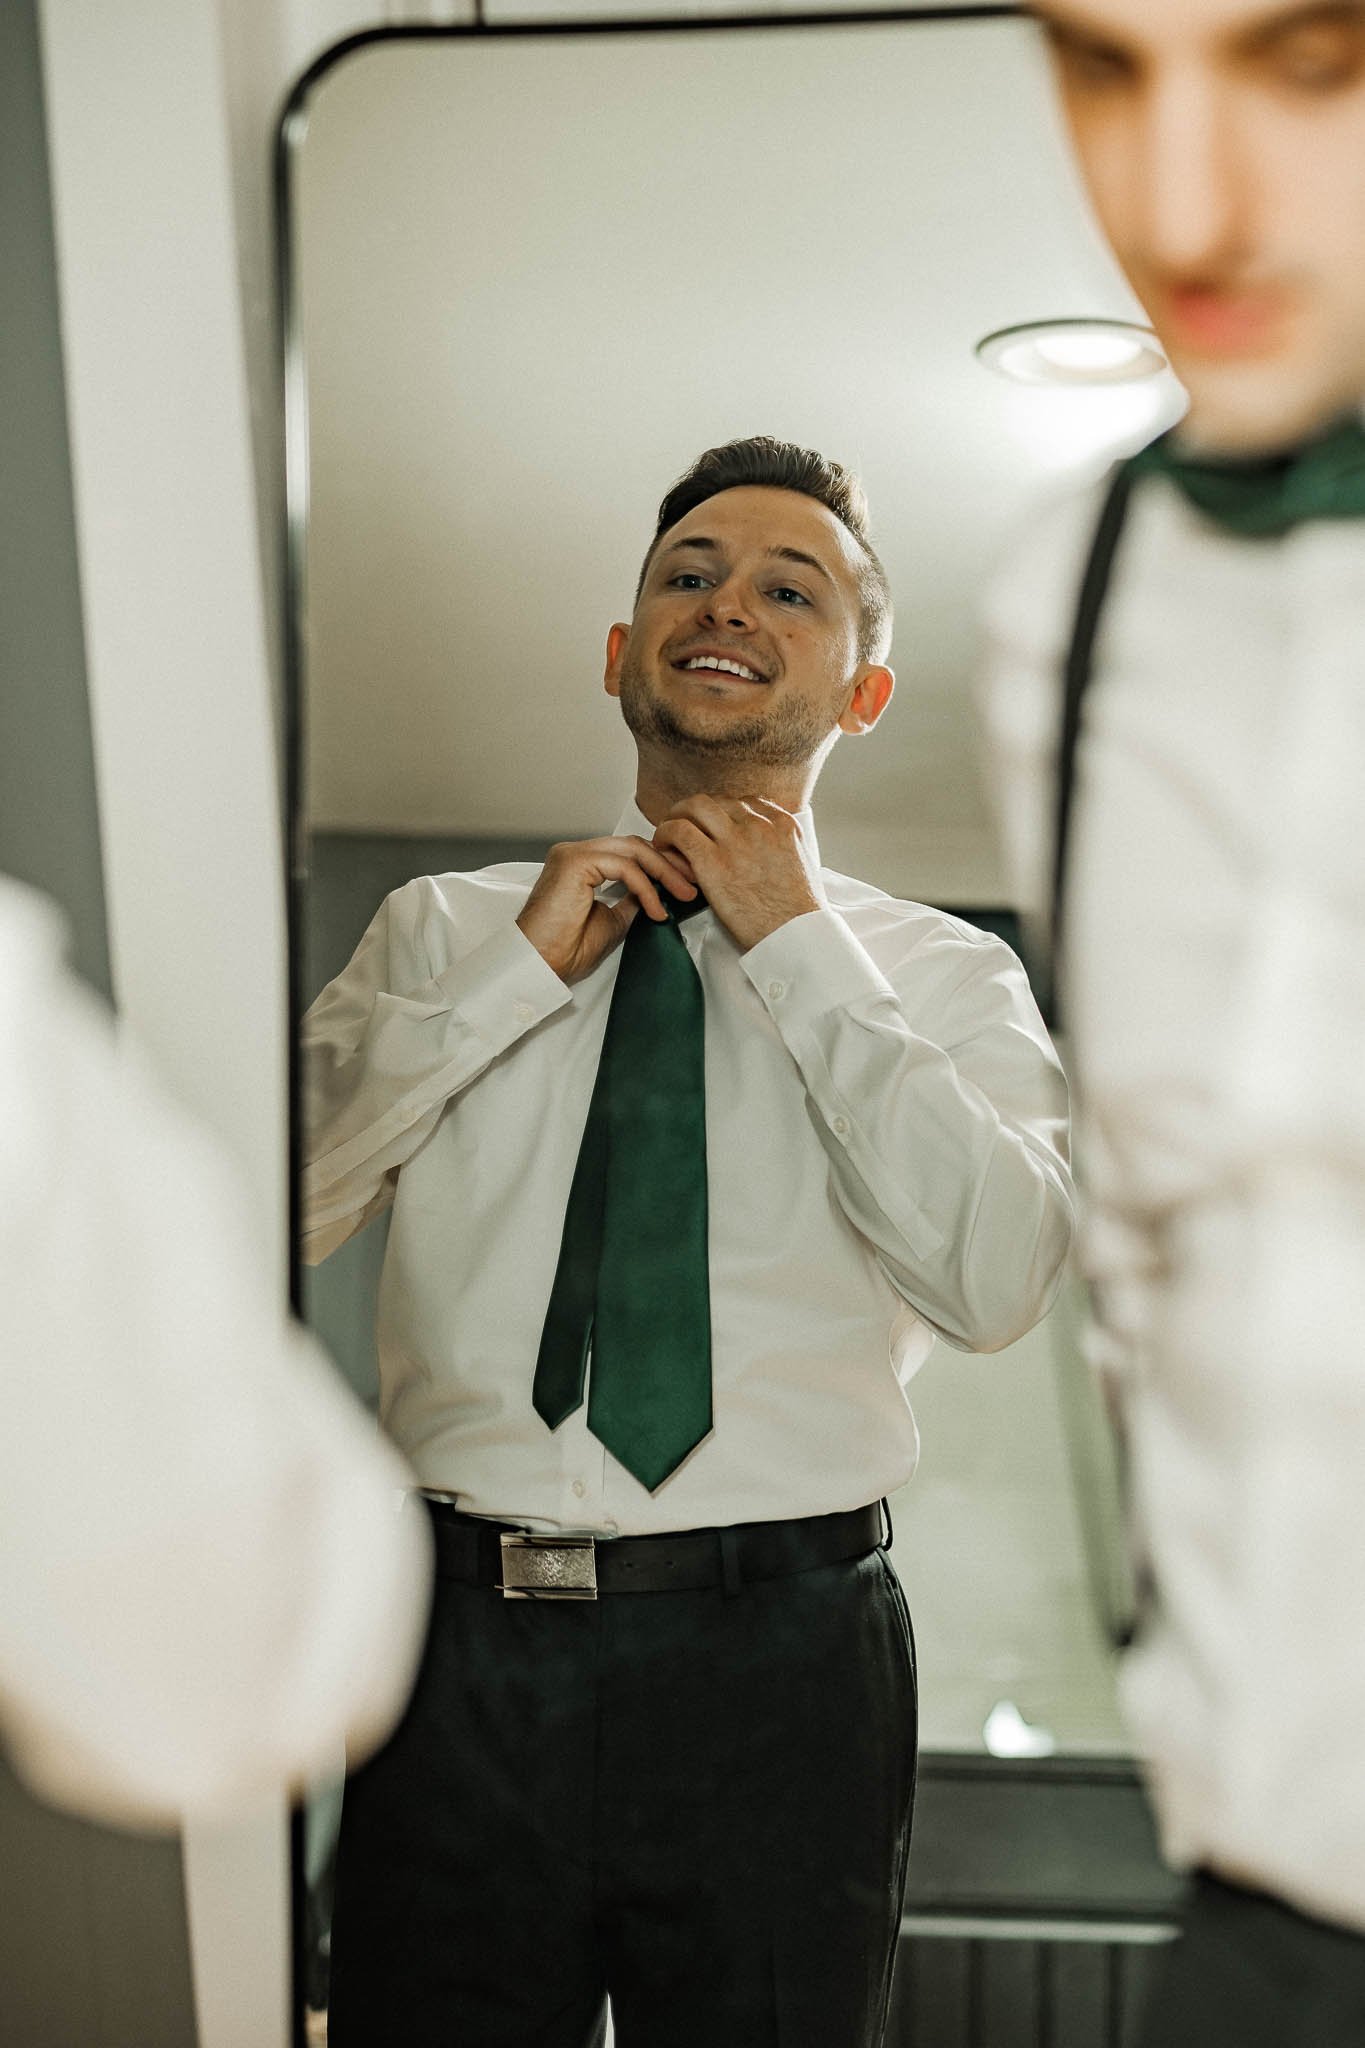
[810, 966]
[503, 988]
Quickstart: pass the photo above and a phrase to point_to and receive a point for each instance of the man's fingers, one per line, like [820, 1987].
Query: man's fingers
[667, 868]
[664, 867]
[587, 863]
[683, 837]
[710, 814]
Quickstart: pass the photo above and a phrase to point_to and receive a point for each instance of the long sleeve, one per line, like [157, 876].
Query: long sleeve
[207, 1585]
[389, 1042]
[946, 1135]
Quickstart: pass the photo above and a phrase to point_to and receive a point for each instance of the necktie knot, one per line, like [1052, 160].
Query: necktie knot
[679, 910]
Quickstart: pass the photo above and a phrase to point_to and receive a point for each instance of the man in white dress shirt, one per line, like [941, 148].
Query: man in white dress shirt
[694, 1790]
[206, 1588]
[1213, 966]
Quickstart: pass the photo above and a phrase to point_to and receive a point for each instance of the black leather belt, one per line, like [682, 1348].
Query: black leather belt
[527, 1567]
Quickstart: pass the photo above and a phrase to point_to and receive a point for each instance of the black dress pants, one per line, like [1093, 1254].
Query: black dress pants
[700, 1801]
[1250, 1972]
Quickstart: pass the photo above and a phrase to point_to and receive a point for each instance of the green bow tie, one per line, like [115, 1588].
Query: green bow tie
[632, 1281]
[1262, 497]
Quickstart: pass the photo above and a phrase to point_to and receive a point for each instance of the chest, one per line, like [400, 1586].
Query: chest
[1220, 735]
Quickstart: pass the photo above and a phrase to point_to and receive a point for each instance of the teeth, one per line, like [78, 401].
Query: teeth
[725, 668]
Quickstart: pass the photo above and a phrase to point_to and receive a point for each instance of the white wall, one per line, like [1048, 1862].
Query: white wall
[159, 152]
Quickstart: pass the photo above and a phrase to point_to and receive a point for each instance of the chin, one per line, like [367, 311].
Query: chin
[1249, 408]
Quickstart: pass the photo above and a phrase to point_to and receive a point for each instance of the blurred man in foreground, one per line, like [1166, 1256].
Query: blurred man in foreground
[1186, 646]
[205, 1587]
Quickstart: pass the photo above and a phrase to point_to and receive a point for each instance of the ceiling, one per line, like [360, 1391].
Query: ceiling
[537, 276]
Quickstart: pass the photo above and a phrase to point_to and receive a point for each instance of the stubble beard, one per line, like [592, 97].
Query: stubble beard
[792, 735]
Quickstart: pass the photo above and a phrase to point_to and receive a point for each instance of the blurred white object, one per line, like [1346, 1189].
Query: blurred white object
[206, 1586]
[1007, 1733]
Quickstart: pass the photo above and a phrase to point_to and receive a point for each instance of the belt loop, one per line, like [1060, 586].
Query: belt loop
[889, 1536]
[731, 1577]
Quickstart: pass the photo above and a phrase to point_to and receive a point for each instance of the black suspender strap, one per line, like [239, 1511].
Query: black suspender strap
[1124, 1609]
[1077, 674]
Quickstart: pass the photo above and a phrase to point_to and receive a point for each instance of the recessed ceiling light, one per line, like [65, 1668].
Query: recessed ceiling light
[1074, 352]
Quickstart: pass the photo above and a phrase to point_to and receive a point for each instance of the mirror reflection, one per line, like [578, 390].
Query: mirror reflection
[657, 1230]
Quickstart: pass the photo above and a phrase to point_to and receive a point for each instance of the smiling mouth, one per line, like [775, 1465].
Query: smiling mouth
[715, 664]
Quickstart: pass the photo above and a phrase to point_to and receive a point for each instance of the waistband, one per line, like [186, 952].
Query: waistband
[497, 1555]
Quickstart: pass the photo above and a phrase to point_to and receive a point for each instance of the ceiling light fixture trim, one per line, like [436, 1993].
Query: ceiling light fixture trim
[1073, 352]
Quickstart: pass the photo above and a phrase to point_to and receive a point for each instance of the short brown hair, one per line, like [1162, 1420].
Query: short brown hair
[783, 466]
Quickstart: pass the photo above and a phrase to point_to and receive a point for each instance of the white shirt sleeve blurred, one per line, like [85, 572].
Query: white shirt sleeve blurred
[206, 1583]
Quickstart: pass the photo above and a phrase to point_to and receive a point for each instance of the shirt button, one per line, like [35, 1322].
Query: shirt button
[777, 989]
[840, 1127]
[523, 1013]
[612, 1528]
[579, 1488]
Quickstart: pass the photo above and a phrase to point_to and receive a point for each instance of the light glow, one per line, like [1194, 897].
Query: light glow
[1007, 1733]
[1072, 352]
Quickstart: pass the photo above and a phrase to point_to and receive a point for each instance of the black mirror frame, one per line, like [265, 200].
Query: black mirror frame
[290, 133]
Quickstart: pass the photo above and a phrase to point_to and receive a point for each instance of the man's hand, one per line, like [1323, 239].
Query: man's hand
[750, 860]
[562, 917]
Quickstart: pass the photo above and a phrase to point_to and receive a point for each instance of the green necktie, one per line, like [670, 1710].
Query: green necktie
[1262, 497]
[632, 1281]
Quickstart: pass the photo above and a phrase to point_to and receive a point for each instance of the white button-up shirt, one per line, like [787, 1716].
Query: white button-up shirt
[886, 1136]
[1216, 1005]
[205, 1585]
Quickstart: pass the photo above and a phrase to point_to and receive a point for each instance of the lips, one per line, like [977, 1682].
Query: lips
[1213, 320]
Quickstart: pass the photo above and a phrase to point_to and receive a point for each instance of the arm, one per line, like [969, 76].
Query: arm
[942, 1110]
[935, 1092]
[389, 1042]
[208, 1588]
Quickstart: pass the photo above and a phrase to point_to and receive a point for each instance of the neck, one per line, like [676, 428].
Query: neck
[663, 783]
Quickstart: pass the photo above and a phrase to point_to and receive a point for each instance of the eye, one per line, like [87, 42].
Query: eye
[1320, 57]
[786, 595]
[1087, 65]
[689, 579]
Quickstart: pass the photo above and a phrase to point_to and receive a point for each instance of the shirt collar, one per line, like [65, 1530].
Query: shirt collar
[633, 820]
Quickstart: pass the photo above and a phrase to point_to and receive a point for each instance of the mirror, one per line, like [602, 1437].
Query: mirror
[531, 275]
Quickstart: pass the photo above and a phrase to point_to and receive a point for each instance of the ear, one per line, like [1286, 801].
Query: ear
[617, 636]
[871, 695]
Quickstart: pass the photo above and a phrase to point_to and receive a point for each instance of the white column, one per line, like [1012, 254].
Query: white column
[175, 631]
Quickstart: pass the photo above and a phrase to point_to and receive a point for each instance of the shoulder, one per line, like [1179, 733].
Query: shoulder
[938, 947]
[32, 942]
[55, 1038]
[491, 896]
[429, 922]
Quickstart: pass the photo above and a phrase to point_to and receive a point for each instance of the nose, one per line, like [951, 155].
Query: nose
[728, 605]
[1187, 184]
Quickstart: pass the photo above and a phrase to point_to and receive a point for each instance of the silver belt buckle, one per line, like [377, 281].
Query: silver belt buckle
[547, 1567]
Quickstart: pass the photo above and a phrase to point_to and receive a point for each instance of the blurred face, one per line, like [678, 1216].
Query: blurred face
[1223, 142]
[744, 644]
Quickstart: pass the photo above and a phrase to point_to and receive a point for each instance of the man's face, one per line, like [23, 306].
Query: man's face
[763, 582]
[1223, 142]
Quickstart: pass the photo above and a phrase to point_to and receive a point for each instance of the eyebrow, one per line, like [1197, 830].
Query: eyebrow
[1258, 35]
[773, 554]
[1250, 38]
